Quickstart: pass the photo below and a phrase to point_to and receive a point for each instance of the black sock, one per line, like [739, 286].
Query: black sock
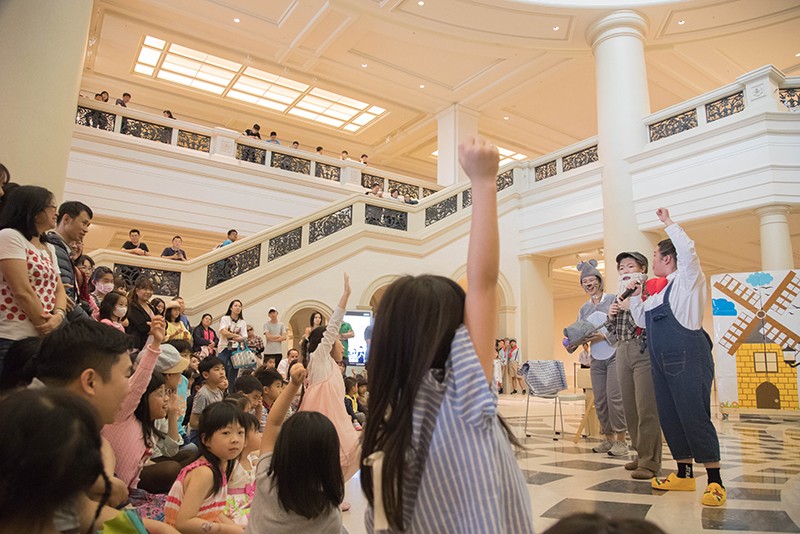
[714, 475]
[685, 471]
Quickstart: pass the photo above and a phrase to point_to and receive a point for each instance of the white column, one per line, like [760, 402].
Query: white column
[43, 44]
[536, 315]
[455, 123]
[622, 102]
[776, 240]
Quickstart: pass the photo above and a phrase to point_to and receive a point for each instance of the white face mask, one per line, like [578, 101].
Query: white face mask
[120, 311]
[104, 288]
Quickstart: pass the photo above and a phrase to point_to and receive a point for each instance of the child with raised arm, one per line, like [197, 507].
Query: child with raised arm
[436, 455]
[324, 391]
[299, 484]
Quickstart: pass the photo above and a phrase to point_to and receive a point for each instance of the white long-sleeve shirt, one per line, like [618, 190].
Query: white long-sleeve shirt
[688, 296]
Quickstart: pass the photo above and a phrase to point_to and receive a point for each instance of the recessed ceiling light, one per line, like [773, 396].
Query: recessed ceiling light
[797, 54]
[420, 3]
[364, 65]
[681, 22]
[556, 28]
[237, 20]
[505, 118]
[422, 86]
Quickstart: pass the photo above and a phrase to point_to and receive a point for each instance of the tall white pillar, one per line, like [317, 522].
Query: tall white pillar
[776, 240]
[622, 102]
[454, 124]
[536, 314]
[43, 44]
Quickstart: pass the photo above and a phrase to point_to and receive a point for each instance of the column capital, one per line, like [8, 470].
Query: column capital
[773, 209]
[457, 108]
[624, 22]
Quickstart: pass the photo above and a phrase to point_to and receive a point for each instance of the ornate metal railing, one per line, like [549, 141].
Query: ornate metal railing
[673, 125]
[233, 266]
[790, 98]
[94, 118]
[194, 141]
[290, 163]
[146, 130]
[440, 210]
[328, 172]
[725, 106]
[285, 243]
[330, 224]
[386, 217]
[164, 282]
[545, 170]
[251, 154]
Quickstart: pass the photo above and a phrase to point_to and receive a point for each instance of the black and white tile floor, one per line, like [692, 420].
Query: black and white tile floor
[760, 469]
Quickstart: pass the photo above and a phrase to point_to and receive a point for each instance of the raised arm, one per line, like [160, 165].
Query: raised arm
[278, 412]
[141, 377]
[479, 158]
[689, 270]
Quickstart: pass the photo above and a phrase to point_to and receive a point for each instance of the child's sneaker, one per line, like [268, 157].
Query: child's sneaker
[715, 495]
[618, 449]
[603, 447]
[672, 482]
[357, 425]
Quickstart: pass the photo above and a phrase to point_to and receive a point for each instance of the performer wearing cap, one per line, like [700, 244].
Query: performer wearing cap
[605, 384]
[683, 366]
[635, 375]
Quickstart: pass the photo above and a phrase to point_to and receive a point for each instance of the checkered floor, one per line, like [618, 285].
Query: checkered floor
[760, 469]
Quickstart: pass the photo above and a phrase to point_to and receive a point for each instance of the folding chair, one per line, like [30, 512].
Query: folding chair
[546, 380]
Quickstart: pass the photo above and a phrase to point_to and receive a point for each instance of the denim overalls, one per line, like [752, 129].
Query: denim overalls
[683, 371]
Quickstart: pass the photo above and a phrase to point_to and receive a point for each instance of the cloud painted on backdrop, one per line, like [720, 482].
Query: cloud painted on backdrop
[759, 279]
[723, 307]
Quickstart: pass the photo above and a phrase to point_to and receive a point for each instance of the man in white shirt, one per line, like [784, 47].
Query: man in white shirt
[683, 366]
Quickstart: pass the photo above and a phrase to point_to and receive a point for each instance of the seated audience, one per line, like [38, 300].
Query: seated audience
[296, 145]
[375, 191]
[134, 245]
[254, 342]
[273, 138]
[351, 402]
[101, 283]
[242, 484]
[182, 308]
[159, 306]
[362, 395]
[283, 366]
[38, 301]
[175, 328]
[271, 386]
[175, 252]
[213, 372]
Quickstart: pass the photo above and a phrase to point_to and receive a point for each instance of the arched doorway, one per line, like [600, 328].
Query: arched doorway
[298, 319]
[768, 396]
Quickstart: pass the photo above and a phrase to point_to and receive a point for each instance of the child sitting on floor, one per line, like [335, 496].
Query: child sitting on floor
[242, 484]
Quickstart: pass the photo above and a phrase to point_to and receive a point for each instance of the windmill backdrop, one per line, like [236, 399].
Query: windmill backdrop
[756, 318]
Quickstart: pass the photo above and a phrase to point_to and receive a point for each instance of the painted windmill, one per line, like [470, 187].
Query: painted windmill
[753, 313]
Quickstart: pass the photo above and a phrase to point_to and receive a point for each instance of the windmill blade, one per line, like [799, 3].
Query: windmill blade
[779, 334]
[739, 293]
[738, 332]
[783, 295]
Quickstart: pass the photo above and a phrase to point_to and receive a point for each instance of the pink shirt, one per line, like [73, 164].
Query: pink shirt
[118, 326]
[125, 433]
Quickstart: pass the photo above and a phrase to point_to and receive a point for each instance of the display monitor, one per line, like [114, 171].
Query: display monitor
[358, 346]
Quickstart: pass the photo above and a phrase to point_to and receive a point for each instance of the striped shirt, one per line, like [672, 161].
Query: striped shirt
[461, 472]
[211, 506]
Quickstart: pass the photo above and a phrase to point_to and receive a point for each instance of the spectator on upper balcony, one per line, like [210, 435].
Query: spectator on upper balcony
[249, 153]
[296, 145]
[375, 191]
[104, 96]
[73, 223]
[168, 114]
[394, 194]
[345, 156]
[319, 151]
[233, 235]
[98, 97]
[254, 132]
[126, 97]
[364, 159]
[273, 138]
[175, 252]
[134, 245]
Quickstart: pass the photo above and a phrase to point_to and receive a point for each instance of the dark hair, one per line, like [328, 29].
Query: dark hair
[308, 346]
[206, 315]
[247, 384]
[232, 231]
[345, 152]
[134, 230]
[364, 156]
[349, 382]
[273, 133]
[319, 149]
[23, 205]
[77, 346]
[215, 417]
[296, 143]
[98, 273]
[666, 248]
[142, 282]
[191, 374]
[73, 208]
[5, 175]
[251, 423]
[267, 376]
[181, 345]
[176, 237]
[361, 381]
[311, 320]
[142, 411]
[583, 523]
[169, 114]
[288, 352]
[30, 422]
[80, 260]
[126, 94]
[172, 315]
[256, 127]
[241, 313]
[107, 306]
[19, 354]
[239, 400]
[209, 363]
[154, 305]
[393, 191]
[308, 439]
[415, 323]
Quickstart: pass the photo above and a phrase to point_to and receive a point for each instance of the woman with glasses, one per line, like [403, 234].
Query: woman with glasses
[32, 299]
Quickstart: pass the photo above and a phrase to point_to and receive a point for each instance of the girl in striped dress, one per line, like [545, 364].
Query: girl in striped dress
[197, 499]
[436, 457]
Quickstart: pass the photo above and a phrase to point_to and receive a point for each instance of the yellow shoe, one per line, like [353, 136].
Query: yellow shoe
[715, 495]
[672, 482]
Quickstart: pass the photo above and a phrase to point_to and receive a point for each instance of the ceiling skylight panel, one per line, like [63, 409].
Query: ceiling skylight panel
[271, 105]
[286, 82]
[211, 78]
[278, 90]
[217, 71]
[376, 110]
[261, 75]
[344, 109]
[180, 69]
[242, 96]
[278, 98]
[506, 160]
[329, 121]
[223, 63]
[187, 52]
[172, 77]
[363, 119]
[330, 112]
[144, 69]
[303, 113]
[519, 157]
[505, 152]
[210, 87]
[303, 104]
[352, 127]
[154, 42]
[352, 103]
[251, 87]
[316, 101]
[149, 56]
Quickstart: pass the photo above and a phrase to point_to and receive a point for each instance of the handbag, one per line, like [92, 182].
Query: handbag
[243, 357]
[544, 377]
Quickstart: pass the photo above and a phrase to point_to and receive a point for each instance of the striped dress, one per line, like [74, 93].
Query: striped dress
[210, 508]
[462, 475]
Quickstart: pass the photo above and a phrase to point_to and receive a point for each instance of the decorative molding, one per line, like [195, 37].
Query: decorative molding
[505, 179]
[369, 180]
[673, 125]
[386, 217]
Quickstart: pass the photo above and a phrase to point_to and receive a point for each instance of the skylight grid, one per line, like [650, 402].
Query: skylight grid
[174, 63]
[506, 155]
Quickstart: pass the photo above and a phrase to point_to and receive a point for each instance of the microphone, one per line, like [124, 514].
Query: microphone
[641, 278]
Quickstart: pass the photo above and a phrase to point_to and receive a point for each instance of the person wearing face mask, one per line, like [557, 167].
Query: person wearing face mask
[113, 310]
[603, 367]
[101, 283]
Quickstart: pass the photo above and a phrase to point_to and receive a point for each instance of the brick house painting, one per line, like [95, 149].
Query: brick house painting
[756, 319]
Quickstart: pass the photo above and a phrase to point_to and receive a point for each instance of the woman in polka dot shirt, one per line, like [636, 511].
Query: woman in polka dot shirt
[32, 299]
